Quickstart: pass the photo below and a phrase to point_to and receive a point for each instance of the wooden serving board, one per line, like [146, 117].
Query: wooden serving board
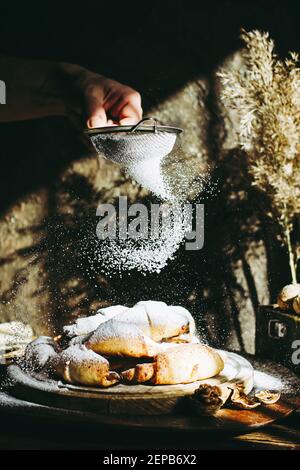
[84, 407]
[130, 399]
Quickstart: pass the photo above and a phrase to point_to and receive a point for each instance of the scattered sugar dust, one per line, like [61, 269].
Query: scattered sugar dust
[151, 254]
[146, 255]
[174, 181]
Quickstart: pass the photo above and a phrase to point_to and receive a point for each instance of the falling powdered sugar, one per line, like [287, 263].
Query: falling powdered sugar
[146, 255]
[143, 157]
[148, 173]
[140, 153]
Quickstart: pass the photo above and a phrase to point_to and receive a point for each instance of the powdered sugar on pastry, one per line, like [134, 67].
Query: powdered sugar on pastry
[150, 342]
[86, 325]
[155, 319]
[77, 364]
[40, 352]
[118, 338]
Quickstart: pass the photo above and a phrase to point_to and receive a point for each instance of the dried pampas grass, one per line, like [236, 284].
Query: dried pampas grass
[265, 92]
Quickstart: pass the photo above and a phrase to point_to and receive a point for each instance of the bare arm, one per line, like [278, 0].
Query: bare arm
[36, 89]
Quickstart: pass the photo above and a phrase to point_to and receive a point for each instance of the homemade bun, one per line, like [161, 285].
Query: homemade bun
[116, 338]
[155, 319]
[77, 364]
[40, 352]
[86, 325]
[158, 320]
[150, 342]
[184, 363]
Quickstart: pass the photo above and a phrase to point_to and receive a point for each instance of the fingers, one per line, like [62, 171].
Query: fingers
[128, 121]
[95, 112]
[123, 105]
[94, 104]
[129, 115]
[108, 102]
[132, 111]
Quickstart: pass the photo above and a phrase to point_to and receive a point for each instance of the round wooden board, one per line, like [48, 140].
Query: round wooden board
[226, 420]
[130, 399]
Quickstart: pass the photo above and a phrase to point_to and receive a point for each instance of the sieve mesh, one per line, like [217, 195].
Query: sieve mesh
[140, 149]
[129, 144]
[127, 148]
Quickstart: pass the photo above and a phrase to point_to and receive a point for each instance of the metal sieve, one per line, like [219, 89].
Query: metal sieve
[130, 144]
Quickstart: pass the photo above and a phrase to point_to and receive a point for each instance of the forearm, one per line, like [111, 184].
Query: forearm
[33, 89]
[36, 89]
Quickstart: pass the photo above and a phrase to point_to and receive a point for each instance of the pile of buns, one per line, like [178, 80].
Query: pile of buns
[149, 343]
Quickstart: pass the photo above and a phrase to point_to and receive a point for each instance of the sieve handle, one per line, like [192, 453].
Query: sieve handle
[136, 126]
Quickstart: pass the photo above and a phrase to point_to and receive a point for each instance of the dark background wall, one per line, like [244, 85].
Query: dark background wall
[155, 46]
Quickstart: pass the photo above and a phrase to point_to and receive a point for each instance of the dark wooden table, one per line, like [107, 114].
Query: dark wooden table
[20, 433]
[23, 428]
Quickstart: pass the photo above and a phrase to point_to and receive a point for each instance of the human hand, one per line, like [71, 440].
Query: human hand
[106, 102]
[41, 88]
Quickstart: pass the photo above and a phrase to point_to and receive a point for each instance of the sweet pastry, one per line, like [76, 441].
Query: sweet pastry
[117, 338]
[158, 320]
[148, 343]
[86, 325]
[40, 352]
[183, 338]
[77, 364]
[155, 319]
[183, 363]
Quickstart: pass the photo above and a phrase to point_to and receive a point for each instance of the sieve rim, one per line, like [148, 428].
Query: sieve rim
[142, 128]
